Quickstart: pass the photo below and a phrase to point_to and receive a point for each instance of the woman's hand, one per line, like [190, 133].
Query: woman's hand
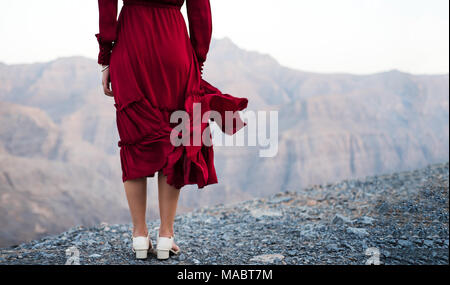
[106, 82]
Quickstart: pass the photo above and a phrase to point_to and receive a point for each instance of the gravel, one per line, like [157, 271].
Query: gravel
[399, 218]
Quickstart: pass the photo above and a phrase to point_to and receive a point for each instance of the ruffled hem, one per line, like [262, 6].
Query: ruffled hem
[184, 164]
[190, 164]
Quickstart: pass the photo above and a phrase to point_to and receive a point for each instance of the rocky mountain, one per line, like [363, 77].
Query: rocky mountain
[396, 218]
[40, 191]
[332, 126]
[59, 162]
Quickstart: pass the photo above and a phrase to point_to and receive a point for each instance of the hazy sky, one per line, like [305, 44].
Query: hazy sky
[356, 36]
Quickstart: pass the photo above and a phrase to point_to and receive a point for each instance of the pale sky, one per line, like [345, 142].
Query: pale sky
[354, 36]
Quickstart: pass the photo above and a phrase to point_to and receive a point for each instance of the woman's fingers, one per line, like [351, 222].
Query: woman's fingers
[107, 90]
[106, 83]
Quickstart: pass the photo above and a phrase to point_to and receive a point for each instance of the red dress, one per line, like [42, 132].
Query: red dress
[156, 69]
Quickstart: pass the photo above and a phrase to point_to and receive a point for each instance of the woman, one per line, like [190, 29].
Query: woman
[153, 67]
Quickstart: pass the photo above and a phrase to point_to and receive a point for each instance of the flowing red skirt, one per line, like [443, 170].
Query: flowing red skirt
[154, 72]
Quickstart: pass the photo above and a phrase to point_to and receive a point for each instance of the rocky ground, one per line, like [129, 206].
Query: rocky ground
[400, 218]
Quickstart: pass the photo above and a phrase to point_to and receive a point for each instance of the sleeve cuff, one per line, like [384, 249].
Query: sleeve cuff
[105, 48]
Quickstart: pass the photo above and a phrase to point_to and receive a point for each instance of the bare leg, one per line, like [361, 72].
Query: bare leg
[168, 200]
[136, 191]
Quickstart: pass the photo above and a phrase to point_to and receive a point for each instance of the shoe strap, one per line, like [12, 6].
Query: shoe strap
[157, 234]
[141, 242]
[165, 243]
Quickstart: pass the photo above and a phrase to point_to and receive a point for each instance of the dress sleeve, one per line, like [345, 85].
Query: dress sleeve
[107, 29]
[200, 27]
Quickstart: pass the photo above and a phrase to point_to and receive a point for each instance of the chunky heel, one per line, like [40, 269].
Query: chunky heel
[164, 246]
[162, 254]
[141, 254]
[141, 246]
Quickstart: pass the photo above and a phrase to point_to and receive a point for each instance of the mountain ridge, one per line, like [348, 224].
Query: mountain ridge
[227, 42]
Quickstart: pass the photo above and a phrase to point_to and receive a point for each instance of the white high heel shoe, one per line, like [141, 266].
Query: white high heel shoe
[164, 246]
[141, 246]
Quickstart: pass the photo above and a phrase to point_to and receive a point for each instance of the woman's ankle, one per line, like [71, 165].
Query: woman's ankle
[140, 231]
[165, 232]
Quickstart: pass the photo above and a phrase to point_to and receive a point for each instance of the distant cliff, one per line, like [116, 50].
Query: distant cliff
[398, 218]
[59, 161]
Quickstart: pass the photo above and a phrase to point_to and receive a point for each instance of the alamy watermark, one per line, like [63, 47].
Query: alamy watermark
[374, 256]
[413, 255]
[261, 129]
[72, 256]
